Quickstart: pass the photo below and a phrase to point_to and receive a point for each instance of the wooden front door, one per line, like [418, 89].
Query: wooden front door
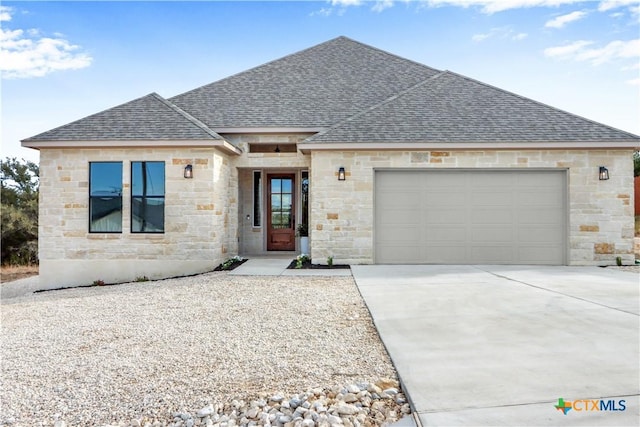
[281, 235]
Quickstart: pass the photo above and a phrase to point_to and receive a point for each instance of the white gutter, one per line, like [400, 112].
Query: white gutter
[207, 143]
[466, 146]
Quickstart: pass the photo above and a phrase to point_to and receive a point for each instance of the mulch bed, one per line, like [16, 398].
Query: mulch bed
[233, 266]
[310, 265]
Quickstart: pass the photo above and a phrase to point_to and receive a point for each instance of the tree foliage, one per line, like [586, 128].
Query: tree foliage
[19, 197]
[636, 163]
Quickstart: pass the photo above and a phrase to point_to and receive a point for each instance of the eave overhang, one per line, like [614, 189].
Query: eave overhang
[222, 145]
[305, 148]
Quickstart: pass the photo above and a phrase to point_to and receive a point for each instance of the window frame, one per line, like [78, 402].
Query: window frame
[142, 198]
[256, 222]
[92, 197]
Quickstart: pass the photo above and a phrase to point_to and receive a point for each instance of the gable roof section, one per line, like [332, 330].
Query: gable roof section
[148, 118]
[314, 88]
[450, 108]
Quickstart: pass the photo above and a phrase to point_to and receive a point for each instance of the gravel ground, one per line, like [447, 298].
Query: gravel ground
[146, 351]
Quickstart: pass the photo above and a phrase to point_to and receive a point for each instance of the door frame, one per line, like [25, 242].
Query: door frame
[294, 195]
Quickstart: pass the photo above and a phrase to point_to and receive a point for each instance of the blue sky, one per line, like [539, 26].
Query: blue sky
[61, 61]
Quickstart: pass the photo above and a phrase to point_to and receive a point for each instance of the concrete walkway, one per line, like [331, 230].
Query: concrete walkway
[278, 267]
[499, 345]
[18, 288]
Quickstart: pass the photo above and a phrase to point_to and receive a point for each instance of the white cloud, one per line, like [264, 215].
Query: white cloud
[614, 4]
[493, 6]
[346, 3]
[562, 20]
[5, 13]
[501, 33]
[382, 5]
[566, 50]
[487, 6]
[634, 82]
[325, 11]
[24, 55]
[581, 51]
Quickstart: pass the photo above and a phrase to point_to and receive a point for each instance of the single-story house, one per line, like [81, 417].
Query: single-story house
[384, 159]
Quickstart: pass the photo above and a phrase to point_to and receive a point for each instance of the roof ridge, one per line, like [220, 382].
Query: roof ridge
[186, 115]
[375, 106]
[507, 92]
[388, 53]
[252, 68]
[333, 40]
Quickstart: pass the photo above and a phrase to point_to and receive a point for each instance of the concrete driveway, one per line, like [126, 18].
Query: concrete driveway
[499, 345]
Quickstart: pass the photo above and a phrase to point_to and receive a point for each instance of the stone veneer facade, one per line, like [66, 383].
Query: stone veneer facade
[200, 217]
[600, 223]
[205, 217]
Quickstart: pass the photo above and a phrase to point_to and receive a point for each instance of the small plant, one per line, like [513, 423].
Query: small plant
[301, 259]
[98, 282]
[619, 261]
[302, 230]
[142, 279]
[228, 263]
[330, 261]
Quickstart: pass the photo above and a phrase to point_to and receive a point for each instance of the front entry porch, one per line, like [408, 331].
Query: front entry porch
[273, 204]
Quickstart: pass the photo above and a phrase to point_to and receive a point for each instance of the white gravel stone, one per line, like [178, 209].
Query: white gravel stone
[189, 351]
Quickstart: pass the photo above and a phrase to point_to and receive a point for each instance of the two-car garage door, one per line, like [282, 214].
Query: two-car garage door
[470, 216]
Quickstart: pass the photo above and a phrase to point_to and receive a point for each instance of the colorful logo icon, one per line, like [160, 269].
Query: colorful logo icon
[588, 405]
[563, 406]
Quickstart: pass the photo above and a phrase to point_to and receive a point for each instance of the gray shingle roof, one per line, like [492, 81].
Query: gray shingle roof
[148, 118]
[357, 93]
[316, 87]
[452, 108]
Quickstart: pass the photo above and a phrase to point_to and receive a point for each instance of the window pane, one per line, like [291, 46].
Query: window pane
[105, 179]
[147, 197]
[105, 214]
[147, 178]
[286, 202]
[286, 185]
[105, 197]
[257, 198]
[305, 198]
[276, 185]
[147, 215]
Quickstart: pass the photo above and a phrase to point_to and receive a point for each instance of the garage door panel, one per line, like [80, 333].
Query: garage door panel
[492, 199]
[443, 255]
[399, 254]
[492, 179]
[538, 179]
[471, 216]
[539, 255]
[490, 216]
[542, 197]
[492, 235]
[540, 216]
[395, 198]
[445, 216]
[444, 180]
[443, 200]
[445, 234]
[492, 254]
[536, 234]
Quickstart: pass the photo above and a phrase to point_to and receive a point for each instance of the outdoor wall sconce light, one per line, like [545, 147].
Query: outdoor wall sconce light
[341, 174]
[188, 171]
[604, 174]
